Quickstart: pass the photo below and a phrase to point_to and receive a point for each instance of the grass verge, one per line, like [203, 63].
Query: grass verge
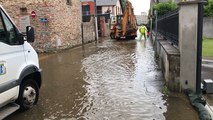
[208, 47]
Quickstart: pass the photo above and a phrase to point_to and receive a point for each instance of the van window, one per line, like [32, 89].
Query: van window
[10, 30]
[3, 37]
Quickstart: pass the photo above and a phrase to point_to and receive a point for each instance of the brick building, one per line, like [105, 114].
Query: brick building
[57, 22]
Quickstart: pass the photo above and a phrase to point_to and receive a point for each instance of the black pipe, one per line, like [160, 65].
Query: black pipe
[82, 32]
[199, 47]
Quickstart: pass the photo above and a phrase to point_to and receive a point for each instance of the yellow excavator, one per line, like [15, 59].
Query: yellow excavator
[124, 26]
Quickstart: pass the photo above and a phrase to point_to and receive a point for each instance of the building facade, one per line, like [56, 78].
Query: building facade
[109, 6]
[57, 23]
[142, 19]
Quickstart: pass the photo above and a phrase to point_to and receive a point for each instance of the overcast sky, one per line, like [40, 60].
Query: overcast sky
[140, 6]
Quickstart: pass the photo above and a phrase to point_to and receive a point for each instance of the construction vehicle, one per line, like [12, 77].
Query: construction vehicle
[124, 26]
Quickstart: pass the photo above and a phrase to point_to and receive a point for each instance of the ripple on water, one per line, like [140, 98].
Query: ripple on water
[123, 84]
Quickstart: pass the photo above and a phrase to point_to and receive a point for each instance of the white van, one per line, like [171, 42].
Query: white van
[20, 76]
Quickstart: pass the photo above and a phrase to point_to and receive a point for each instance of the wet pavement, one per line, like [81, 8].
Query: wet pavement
[111, 80]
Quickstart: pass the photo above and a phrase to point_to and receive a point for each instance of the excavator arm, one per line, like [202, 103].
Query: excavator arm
[128, 23]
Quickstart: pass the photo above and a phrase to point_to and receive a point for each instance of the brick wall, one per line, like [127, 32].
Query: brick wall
[63, 28]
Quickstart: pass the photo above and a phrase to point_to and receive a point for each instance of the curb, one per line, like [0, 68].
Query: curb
[207, 63]
[207, 60]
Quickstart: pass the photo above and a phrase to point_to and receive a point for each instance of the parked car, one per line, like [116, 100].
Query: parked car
[20, 75]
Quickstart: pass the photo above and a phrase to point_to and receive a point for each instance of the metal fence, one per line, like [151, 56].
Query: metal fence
[168, 26]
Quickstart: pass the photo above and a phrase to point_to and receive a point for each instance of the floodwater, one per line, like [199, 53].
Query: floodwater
[111, 80]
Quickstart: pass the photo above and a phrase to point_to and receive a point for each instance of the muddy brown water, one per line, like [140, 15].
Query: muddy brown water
[111, 80]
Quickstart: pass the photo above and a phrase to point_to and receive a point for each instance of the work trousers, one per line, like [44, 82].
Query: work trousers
[143, 34]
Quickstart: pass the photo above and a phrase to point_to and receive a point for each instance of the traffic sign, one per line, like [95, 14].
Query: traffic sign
[33, 14]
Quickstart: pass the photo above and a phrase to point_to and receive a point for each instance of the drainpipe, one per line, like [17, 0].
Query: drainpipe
[199, 45]
[95, 20]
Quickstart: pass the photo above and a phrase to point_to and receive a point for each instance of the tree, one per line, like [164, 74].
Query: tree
[208, 9]
[164, 7]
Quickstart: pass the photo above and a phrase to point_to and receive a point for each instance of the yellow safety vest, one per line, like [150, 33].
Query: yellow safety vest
[143, 29]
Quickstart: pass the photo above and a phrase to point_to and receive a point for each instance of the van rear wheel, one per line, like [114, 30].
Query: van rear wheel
[28, 94]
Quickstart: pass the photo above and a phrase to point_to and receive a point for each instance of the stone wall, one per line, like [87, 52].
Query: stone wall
[89, 31]
[63, 28]
[208, 27]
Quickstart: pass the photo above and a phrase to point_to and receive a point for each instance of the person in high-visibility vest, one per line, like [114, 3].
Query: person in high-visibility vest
[143, 30]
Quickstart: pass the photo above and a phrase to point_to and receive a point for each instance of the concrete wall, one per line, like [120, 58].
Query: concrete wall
[208, 27]
[89, 31]
[169, 62]
[63, 29]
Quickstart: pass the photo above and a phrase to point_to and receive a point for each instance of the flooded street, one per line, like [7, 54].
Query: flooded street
[111, 80]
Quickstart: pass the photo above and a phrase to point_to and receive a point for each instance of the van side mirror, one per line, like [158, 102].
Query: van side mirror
[30, 34]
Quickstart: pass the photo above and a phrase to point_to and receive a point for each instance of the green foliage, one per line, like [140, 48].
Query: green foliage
[208, 9]
[164, 7]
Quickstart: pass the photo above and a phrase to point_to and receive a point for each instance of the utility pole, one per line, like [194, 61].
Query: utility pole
[151, 15]
[95, 20]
